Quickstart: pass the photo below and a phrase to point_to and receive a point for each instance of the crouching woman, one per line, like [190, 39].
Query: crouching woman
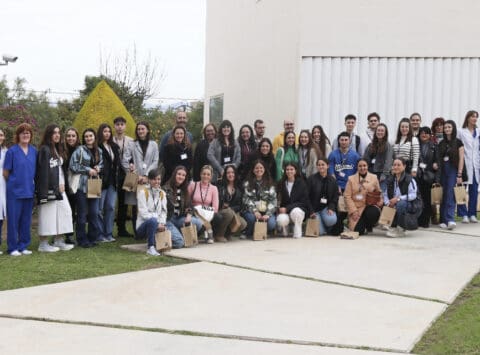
[363, 199]
[401, 188]
[152, 213]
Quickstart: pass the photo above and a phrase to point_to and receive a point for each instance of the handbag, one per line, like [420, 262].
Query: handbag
[94, 188]
[163, 240]
[205, 213]
[436, 194]
[313, 228]
[460, 194]
[387, 216]
[130, 183]
[260, 230]
[189, 233]
[373, 197]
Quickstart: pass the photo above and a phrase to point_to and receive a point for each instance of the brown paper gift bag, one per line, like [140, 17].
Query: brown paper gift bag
[460, 194]
[163, 240]
[342, 207]
[387, 216]
[236, 223]
[436, 194]
[130, 183]
[260, 230]
[189, 233]
[313, 228]
[94, 188]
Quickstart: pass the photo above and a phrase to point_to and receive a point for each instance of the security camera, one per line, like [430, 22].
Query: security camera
[9, 58]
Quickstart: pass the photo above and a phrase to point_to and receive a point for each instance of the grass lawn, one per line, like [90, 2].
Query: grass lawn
[78, 263]
[457, 331]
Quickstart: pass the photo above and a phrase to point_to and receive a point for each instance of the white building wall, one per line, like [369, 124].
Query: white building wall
[255, 49]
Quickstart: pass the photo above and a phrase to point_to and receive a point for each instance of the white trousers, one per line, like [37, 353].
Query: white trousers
[296, 216]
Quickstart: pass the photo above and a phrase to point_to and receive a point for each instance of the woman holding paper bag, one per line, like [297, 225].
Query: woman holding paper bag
[259, 198]
[87, 161]
[293, 195]
[363, 198]
[401, 188]
[152, 213]
[323, 194]
[450, 159]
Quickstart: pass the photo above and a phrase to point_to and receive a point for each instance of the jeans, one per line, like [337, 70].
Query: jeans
[107, 210]
[121, 207]
[179, 221]
[325, 220]
[148, 229]
[19, 221]
[448, 180]
[251, 219]
[87, 210]
[472, 200]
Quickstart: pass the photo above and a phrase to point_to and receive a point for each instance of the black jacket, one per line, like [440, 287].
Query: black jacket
[322, 187]
[47, 176]
[403, 183]
[297, 198]
[185, 204]
[173, 157]
[235, 202]
[111, 167]
[428, 156]
[200, 159]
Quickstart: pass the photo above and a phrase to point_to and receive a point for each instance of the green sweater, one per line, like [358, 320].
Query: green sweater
[282, 159]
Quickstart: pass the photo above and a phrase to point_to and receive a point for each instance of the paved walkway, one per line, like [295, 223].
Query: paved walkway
[281, 296]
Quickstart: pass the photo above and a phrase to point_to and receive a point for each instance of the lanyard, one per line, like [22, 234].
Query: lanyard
[203, 197]
[155, 204]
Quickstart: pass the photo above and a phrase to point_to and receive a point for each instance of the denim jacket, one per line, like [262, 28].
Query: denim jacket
[80, 164]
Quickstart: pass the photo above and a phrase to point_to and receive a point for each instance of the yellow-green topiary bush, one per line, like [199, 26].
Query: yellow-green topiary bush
[102, 106]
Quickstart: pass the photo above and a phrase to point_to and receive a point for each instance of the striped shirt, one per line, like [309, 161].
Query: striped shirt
[409, 151]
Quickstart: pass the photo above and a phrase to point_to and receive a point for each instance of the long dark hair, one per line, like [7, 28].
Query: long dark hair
[251, 141]
[185, 141]
[399, 134]
[96, 154]
[100, 134]
[322, 145]
[171, 183]
[146, 124]
[450, 146]
[266, 179]
[379, 146]
[285, 146]
[310, 145]
[56, 149]
[231, 136]
[224, 182]
[284, 177]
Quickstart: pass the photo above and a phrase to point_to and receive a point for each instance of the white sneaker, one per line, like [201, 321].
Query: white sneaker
[47, 248]
[465, 219]
[392, 233]
[26, 252]
[60, 244]
[443, 225]
[401, 231]
[451, 225]
[473, 219]
[15, 253]
[243, 236]
[152, 251]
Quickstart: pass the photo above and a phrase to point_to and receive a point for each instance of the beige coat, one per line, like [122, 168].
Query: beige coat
[356, 194]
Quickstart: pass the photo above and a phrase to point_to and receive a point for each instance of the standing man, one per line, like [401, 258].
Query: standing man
[373, 120]
[342, 163]
[288, 126]
[123, 141]
[259, 127]
[415, 122]
[356, 143]
[180, 120]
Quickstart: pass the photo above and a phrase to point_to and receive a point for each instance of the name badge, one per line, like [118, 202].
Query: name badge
[183, 156]
[226, 160]
[373, 161]
[359, 197]
[446, 158]
[341, 174]
[323, 200]
[422, 165]
[144, 166]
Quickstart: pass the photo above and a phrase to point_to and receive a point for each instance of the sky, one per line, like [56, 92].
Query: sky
[58, 43]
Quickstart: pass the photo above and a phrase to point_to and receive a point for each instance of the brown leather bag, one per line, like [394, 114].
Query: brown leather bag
[373, 197]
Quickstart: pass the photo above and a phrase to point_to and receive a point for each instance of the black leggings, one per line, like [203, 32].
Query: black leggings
[368, 219]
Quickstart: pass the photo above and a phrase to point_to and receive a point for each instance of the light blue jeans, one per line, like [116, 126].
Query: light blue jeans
[148, 229]
[325, 220]
[107, 210]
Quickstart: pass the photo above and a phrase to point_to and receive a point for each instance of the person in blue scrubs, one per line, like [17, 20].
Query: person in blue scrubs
[19, 171]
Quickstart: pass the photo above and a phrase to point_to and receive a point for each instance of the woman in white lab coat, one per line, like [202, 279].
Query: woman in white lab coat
[470, 136]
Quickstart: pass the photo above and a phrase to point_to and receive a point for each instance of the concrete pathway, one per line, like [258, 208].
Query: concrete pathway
[282, 296]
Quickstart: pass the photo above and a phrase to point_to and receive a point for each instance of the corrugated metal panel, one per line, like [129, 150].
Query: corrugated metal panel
[332, 87]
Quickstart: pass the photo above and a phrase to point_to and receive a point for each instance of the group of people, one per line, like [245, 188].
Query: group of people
[227, 183]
